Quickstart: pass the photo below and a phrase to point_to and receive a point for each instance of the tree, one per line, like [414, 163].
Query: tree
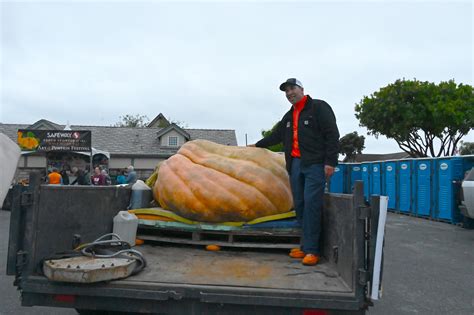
[133, 121]
[350, 145]
[178, 123]
[422, 117]
[276, 147]
[466, 148]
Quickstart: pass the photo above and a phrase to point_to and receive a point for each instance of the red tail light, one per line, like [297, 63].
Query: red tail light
[65, 298]
[315, 312]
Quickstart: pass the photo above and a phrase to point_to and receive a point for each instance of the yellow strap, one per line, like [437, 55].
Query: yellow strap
[153, 217]
[273, 217]
[162, 212]
[171, 215]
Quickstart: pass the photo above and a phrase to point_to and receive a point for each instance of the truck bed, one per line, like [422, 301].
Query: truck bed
[237, 268]
[46, 219]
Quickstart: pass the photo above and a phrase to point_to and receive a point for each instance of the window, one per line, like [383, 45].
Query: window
[173, 141]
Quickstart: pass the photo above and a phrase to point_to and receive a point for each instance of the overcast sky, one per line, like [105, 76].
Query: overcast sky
[219, 65]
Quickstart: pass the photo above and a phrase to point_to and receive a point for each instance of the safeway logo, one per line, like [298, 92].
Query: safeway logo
[76, 135]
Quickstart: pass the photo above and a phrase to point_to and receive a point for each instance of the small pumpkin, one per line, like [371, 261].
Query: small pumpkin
[213, 248]
[209, 182]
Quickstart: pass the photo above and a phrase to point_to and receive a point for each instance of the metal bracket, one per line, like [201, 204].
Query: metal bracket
[26, 199]
[335, 253]
[363, 276]
[173, 294]
[21, 258]
[364, 212]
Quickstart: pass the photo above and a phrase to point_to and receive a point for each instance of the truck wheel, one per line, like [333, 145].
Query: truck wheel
[468, 223]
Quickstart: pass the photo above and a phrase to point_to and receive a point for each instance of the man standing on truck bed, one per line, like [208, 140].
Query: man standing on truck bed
[310, 139]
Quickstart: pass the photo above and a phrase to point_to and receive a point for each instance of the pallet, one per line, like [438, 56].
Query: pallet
[243, 238]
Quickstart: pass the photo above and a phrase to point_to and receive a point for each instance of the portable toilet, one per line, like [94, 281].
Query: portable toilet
[365, 168]
[390, 183]
[338, 179]
[376, 179]
[423, 189]
[354, 173]
[449, 173]
[405, 186]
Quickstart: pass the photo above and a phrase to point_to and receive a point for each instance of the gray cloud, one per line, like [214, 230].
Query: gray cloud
[216, 65]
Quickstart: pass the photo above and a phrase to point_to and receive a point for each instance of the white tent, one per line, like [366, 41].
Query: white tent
[94, 152]
[9, 156]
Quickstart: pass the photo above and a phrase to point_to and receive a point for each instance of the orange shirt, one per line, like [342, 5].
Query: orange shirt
[295, 151]
[54, 178]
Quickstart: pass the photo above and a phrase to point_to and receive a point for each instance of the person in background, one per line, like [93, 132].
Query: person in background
[65, 177]
[98, 179]
[131, 175]
[82, 177]
[54, 178]
[108, 180]
[121, 179]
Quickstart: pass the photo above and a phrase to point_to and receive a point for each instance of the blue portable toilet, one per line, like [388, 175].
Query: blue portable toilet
[376, 178]
[366, 179]
[355, 173]
[390, 183]
[423, 189]
[405, 184]
[338, 179]
[448, 171]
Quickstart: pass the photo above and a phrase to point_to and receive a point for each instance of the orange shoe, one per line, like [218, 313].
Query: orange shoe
[296, 253]
[310, 260]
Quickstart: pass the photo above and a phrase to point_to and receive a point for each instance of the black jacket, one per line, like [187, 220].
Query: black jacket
[318, 136]
[82, 178]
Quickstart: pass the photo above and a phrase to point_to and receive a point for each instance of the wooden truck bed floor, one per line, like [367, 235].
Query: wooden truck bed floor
[256, 269]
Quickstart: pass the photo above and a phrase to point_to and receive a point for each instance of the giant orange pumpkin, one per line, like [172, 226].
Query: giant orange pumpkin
[209, 182]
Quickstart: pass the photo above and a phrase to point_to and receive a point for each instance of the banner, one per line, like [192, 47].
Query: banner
[54, 140]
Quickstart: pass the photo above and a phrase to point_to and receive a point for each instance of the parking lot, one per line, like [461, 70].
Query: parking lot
[428, 269]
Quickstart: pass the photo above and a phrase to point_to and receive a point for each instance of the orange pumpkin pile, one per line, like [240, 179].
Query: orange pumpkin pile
[208, 182]
[29, 142]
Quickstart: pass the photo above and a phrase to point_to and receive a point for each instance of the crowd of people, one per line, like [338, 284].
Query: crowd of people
[82, 177]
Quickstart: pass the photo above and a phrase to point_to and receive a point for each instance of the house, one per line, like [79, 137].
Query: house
[359, 158]
[121, 146]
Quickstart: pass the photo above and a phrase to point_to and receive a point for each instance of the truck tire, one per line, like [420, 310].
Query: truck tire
[468, 223]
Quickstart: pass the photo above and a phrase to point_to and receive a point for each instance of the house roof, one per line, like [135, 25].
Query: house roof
[159, 121]
[174, 127]
[44, 124]
[133, 141]
[380, 157]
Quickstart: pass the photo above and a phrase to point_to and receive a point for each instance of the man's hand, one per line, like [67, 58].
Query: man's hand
[328, 171]
[251, 145]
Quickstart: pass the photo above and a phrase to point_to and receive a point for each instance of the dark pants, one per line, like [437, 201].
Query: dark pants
[307, 186]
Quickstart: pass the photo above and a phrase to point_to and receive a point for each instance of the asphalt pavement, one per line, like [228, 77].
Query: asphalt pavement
[428, 269]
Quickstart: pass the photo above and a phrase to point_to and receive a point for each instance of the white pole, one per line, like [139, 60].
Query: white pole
[379, 248]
